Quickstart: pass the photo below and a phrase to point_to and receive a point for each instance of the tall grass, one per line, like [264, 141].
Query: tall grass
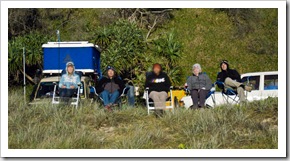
[45, 127]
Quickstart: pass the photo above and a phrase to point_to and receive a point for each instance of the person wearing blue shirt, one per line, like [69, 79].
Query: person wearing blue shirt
[69, 82]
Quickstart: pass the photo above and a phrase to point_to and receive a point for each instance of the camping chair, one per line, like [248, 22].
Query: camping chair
[150, 103]
[75, 100]
[96, 97]
[210, 95]
[230, 95]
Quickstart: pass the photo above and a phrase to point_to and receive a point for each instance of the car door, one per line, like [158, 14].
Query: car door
[255, 82]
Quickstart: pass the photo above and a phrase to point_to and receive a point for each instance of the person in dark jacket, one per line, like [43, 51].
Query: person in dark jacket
[110, 87]
[232, 79]
[199, 86]
[159, 84]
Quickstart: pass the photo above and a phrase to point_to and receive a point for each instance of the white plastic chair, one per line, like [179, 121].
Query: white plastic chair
[150, 103]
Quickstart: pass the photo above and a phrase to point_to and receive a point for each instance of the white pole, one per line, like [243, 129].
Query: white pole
[24, 80]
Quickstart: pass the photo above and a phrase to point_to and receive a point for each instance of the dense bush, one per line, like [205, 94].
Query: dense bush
[133, 39]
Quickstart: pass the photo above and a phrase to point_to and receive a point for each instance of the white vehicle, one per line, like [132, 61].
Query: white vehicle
[265, 84]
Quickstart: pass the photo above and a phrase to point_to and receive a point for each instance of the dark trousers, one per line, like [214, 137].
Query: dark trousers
[65, 94]
[198, 97]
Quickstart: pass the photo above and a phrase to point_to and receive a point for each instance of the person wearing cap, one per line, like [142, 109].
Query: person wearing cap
[69, 81]
[199, 85]
[159, 84]
[232, 79]
[110, 87]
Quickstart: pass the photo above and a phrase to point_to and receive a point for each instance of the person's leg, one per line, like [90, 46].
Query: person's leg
[113, 97]
[194, 97]
[202, 97]
[105, 96]
[231, 83]
[162, 97]
[131, 96]
[70, 92]
[241, 94]
[62, 92]
[155, 97]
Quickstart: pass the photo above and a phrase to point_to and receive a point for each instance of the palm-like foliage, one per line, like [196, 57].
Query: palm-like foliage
[171, 50]
[32, 43]
[125, 48]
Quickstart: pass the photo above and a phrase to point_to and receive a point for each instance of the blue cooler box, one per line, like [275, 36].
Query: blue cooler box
[85, 56]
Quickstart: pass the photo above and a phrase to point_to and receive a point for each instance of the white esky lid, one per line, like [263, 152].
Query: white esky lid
[69, 44]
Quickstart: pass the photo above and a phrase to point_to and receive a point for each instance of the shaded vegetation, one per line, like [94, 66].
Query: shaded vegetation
[176, 38]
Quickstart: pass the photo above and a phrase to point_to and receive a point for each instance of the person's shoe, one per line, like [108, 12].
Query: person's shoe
[248, 88]
[108, 108]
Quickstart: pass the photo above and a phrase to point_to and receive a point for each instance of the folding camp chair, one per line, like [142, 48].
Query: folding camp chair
[150, 103]
[96, 97]
[210, 95]
[75, 100]
[230, 95]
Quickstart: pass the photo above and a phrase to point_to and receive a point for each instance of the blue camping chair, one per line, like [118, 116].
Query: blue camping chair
[230, 94]
[209, 95]
[96, 97]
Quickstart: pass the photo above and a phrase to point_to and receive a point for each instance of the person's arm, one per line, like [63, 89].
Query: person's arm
[167, 82]
[100, 87]
[219, 79]
[208, 83]
[121, 85]
[61, 82]
[189, 83]
[237, 76]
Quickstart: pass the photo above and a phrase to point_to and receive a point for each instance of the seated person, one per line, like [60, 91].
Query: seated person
[130, 93]
[159, 85]
[69, 82]
[199, 86]
[110, 87]
[232, 79]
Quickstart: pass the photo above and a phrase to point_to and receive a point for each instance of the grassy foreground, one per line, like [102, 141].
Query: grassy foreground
[251, 126]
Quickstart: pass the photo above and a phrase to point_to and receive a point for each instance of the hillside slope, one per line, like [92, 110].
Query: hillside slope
[209, 36]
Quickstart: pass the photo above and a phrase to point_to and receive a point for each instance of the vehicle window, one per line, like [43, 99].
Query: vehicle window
[45, 89]
[253, 81]
[271, 82]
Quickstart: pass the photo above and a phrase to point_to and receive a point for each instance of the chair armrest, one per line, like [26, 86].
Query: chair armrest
[125, 90]
[171, 87]
[95, 91]
[147, 88]
[219, 83]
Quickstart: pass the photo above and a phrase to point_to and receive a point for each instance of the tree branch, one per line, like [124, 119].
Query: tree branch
[27, 76]
[151, 27]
